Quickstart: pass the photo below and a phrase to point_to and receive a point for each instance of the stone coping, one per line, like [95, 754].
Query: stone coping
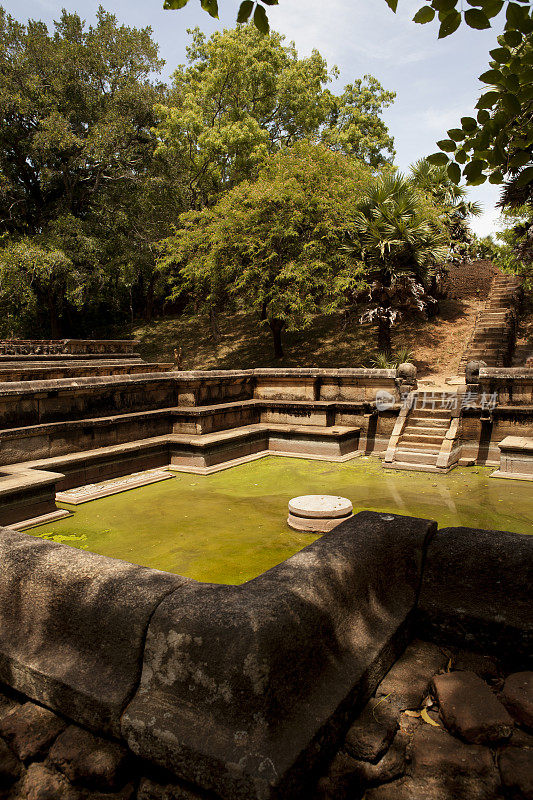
[244, 690]
[21, 478]
[507, 373]
[520, 443]
[66, 384]
[290, 372]
[61, 385]
[37, 342]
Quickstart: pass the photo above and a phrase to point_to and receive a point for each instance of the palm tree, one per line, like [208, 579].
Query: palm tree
[452, 200]
[401, 241]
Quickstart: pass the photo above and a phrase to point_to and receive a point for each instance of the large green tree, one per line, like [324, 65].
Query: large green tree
[497, 144]
[398, 239]
[77, 161]
[275, 244]
[243, 96]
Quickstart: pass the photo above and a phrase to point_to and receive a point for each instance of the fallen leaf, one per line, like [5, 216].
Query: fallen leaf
[410, 713]
[425, 716]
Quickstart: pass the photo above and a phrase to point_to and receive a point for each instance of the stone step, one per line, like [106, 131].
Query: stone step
[428, 412]
[415, 456]
[404, 465]
[423, 426]
[422, 439]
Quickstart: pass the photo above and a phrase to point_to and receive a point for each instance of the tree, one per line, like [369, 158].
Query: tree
[34, 283]
[452, 200]
[77, 154]
[275, 244]
[514, 250]
[243, 96]
[399, 237]
[497, 144]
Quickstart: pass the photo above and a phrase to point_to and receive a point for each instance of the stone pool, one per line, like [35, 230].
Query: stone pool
[231, 526]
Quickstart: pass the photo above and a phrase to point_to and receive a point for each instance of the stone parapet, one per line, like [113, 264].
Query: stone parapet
[247, 691]
[40, 347]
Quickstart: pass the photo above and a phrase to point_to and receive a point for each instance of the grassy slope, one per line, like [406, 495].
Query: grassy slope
[329, 342]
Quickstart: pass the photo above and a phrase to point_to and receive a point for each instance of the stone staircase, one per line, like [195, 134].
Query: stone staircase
[424, 437]
[493, 337]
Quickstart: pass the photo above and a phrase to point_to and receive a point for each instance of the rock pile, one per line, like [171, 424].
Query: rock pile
[442, 725]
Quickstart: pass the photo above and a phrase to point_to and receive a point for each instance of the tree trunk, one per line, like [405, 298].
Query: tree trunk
[149, 302]
[384, 336]
[53, 317]
[213, 324]
[276, 326]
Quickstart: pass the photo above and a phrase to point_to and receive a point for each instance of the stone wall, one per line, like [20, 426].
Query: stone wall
[239, 692]
[77, 347]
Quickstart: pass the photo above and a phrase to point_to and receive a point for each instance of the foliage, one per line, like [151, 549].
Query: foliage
[392, 360]
[514, 252]
[33, 285]
[498, 143]
[452, 200]
[244, 96]
[401, 239]
[276, 243]
[77, 169]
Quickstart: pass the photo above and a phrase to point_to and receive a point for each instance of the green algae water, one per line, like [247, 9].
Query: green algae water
[231, 526]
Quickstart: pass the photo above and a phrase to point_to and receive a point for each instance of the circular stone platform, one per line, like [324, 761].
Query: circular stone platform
[318, 513]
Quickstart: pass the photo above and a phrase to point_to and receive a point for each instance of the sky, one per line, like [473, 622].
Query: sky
[436, 81]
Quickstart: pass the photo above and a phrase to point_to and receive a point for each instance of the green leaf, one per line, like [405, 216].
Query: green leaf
[447, 145]
[483, 117]
[468, 123]
[438, 159]
[512, 38]
[211, 6]
[424, 15]
[261, 20]
[525, 177]
[270, 2]
[492, 8]
[473, 169]
[449, 24]
[392, 4]
[496, 177]
[477, 181]
[174, 4]
[492, 76]
[487, 100]
[511, 103]
[515, 15]
[475, 18]
[520, 159]
[444, 5]
[457, 134]
[461, 157]
[501, 55]
[245, 10]
[454, 172]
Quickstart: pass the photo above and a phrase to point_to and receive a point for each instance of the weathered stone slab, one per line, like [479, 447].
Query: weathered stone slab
[516, 770]
[30, 730]
[89, 760]
[43, 783]
[245, 689]
[443, 768]
[372, 732]
[10, 766]
[408, 681]
[72, 626]
[465, 597]
[469, 708]
[518, 697]
[153, 790]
